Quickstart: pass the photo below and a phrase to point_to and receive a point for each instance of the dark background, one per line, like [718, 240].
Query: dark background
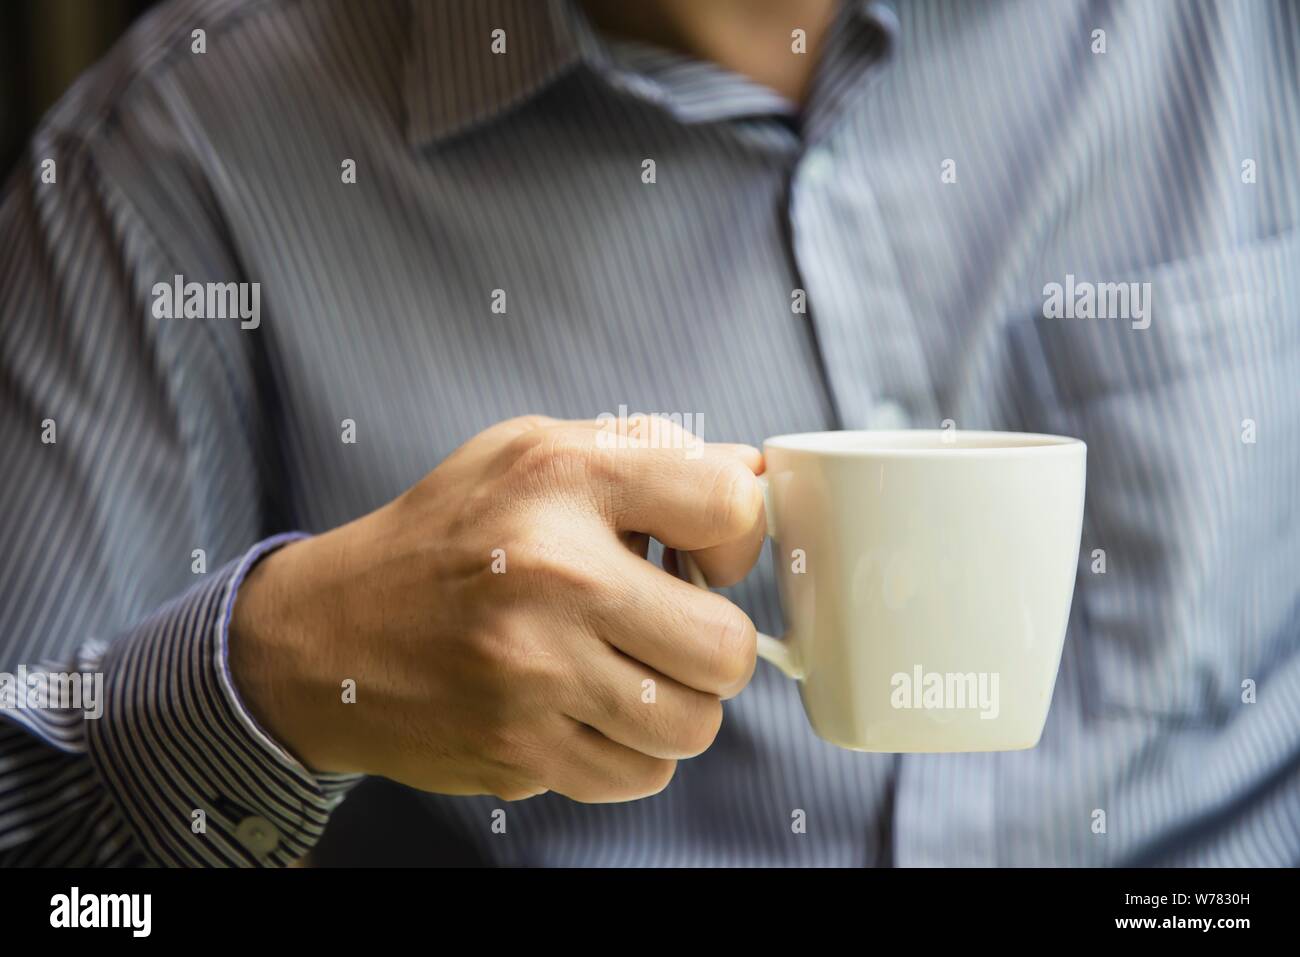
[44, 46]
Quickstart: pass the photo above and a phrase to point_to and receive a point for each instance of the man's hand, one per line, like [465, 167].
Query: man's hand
[501, 622]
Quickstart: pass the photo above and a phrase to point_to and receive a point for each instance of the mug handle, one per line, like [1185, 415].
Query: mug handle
[775, 650]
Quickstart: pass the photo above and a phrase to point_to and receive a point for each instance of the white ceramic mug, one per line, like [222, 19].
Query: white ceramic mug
[926, 579]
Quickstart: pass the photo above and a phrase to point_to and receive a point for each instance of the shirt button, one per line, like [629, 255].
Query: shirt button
[885, 416]
[817, 165]
[258, 835]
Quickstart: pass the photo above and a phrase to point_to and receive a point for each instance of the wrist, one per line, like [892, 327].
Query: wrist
[277, 649]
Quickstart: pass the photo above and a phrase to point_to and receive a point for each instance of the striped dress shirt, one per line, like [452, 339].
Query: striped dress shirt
[457, 212]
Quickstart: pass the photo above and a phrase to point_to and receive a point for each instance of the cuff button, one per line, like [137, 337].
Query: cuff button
[258, 835]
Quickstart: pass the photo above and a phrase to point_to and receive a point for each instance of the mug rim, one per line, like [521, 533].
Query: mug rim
[1035, 443]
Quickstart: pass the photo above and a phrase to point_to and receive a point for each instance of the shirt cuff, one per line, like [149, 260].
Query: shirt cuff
[196, 777]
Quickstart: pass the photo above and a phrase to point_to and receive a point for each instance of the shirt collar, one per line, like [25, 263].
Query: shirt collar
[454, 82]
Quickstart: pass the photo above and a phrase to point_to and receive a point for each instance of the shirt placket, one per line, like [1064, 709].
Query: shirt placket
[873, 347]
[870, 342]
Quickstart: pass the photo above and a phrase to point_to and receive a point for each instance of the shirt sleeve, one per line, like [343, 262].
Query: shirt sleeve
[136, 496]
[162, 763]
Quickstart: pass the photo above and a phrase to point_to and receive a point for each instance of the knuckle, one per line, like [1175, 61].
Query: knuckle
[507, 777]
[552, 456]
[553, 567]
[656, 776]
[535, 557]
[702, 719]
[531, 457]
[515, 757]
[735, 500]
[512, 659]
[514, 432]
[724, 575]
[524, 440]
[568, 449]
[498, 745]
[531, 422]
[633, 780]
[615, 700]
[511, 790]
[734, 649]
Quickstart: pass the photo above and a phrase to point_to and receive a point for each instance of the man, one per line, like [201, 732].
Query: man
[302, 267]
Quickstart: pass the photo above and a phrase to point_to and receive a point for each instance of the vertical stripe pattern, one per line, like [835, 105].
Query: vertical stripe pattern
[953, 162]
